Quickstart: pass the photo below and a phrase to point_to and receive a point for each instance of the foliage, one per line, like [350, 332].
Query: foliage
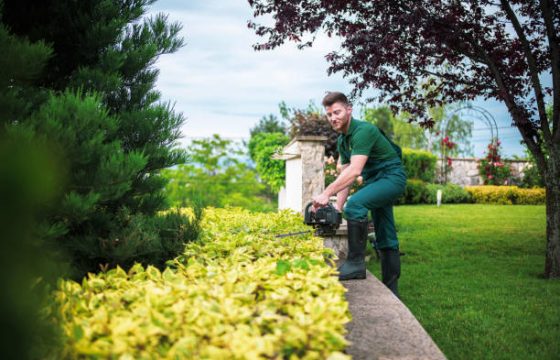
[216, 176]
[470, 277]
[238, 293]
[398, 128]
[451, 194]
[419, 164]
[29, 181]
[31, 265]
[261, 148]
[531, 174]
[451, 127]
[94, 106]
[415, 192]
[507, 195]
[420, 192]
[492, 170]
[382, 117]
[312, 122]
[329, 167]
[414, 38]
[268, 124]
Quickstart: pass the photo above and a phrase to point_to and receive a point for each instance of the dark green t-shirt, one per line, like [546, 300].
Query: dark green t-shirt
[364, 138]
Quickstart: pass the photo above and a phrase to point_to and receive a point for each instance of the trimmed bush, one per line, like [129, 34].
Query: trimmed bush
[451, 194]
[507, 195]
[419, 164]
[238, 292]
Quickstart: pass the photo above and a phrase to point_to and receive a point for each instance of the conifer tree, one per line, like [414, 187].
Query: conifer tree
[96, 107]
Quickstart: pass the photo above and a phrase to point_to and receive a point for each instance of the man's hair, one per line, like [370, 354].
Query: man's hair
[334, 97]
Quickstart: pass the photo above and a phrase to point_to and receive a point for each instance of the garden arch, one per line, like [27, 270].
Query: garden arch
[471, 111]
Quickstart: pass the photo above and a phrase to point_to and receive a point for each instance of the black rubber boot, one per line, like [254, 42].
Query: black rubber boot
[391, 269]
[355, 265]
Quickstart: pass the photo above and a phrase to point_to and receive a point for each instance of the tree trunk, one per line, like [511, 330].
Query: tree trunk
[552, 179]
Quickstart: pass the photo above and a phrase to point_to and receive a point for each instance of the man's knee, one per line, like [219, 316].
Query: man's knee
[354, 210]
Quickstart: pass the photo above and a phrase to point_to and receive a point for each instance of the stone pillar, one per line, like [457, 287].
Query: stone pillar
[305, 177]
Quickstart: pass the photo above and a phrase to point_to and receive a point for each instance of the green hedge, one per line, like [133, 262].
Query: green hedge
[507, 195]
[419, 164]
[451, 194]
[416, 192]
[420, 192]
[238, 292]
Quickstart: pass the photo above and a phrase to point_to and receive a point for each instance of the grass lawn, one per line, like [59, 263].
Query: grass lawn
[472, 276]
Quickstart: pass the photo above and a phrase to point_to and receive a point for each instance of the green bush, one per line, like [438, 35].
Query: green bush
[419, 164]
[507, 195]
[416, 192]
[261, 148]
[237, 293]
[451, 194]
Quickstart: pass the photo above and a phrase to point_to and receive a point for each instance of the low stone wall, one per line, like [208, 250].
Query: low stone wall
[382, 327]
[464, 171]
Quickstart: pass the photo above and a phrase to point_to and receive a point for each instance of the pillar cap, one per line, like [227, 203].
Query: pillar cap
[310, 138]
[293, 151]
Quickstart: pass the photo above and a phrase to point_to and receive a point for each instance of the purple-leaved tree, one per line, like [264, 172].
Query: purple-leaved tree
[422, 53]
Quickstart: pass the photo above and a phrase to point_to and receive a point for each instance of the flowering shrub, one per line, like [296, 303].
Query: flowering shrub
[492, 170]
[506, 195]
[447, 147]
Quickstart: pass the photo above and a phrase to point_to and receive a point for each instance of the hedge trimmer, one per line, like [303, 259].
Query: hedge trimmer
[325, 221]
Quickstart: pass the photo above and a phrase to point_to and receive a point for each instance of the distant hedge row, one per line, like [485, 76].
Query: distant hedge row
[507, 195]
[419, 164]
[420, 192]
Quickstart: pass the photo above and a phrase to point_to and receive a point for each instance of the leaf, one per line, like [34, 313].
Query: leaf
[282, 267]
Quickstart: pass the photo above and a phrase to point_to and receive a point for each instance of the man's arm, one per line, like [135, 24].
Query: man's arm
[342, 183]
[342, 195]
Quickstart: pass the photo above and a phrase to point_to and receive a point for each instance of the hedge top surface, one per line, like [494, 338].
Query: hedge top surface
[238, 293]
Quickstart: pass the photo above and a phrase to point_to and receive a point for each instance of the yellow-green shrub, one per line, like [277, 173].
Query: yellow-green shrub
[506, 195]
[238, 293]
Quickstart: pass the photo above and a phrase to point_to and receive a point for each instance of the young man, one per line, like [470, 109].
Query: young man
[364, 150]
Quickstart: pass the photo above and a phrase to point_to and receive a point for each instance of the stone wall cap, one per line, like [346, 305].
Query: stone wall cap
[285, 156]
[293, 151]
[478, 159]
[310, 138]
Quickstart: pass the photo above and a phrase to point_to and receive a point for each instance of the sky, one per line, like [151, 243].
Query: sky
[222, 86]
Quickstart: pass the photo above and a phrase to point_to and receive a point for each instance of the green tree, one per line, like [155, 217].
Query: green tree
[382, 117]
[268, 124]
[398, 128]
[216, 170]
[454, 128]
[216, 176]
[95, 105]
[261, 149]
[408, 133]
[29, 179]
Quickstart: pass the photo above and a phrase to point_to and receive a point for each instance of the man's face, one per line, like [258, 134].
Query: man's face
[339, 116]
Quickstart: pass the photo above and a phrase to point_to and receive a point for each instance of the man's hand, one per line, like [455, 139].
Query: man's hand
[320, 201]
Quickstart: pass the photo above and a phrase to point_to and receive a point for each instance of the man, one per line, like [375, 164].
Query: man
[365, 151]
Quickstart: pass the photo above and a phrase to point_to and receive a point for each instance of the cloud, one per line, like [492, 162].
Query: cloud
[223, 86]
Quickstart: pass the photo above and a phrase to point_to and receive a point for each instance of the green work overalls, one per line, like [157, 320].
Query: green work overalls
[384, 183]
